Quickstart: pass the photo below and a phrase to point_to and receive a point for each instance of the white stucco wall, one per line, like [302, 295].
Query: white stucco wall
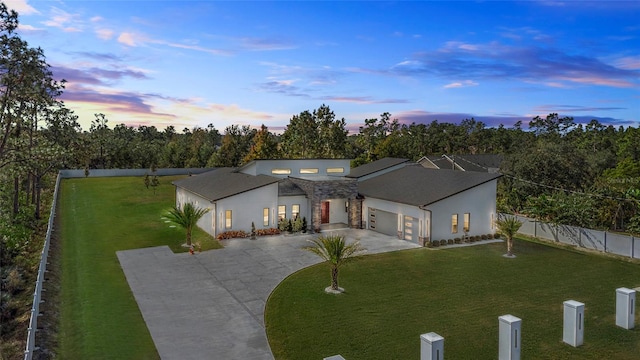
[247, 207]
[337, 213]
[290, 200]
[400, 209]
[207, 222]
[479, 202]
[264, 167]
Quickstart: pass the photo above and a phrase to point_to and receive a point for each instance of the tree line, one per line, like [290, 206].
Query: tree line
[554, 169]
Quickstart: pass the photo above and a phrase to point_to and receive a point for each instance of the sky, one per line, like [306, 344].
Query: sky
[194, 63]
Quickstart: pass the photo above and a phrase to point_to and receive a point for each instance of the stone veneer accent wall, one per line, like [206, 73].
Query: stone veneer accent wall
[355, 213]
[327, 189]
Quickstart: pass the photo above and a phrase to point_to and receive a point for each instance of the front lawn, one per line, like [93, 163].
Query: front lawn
[99, 317]
[458, 293]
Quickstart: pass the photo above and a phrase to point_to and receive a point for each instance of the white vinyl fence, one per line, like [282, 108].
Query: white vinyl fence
[42, 268]
[604, 241]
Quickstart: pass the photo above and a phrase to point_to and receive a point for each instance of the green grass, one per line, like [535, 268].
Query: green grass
[99, 317]
[459, 293]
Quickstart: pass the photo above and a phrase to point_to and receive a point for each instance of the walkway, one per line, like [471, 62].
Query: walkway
[211, 305]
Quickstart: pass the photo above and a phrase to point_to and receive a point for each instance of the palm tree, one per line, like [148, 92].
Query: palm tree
[509, 226]
[334, 250]
[187, 217]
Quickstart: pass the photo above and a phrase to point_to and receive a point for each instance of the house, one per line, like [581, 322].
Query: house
[420, 204]
[470, 162]
[392, 196]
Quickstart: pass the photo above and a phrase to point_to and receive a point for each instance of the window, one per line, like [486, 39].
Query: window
[335, 170]
[467, 221]
[265, 217]
[281, 171]
[227, 219]
[454, 223]
[309, 171]
[295, 211]
[282, 212]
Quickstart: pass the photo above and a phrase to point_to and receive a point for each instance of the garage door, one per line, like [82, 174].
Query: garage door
[383, 222]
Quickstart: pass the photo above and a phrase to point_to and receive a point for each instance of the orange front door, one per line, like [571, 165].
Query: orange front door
[324, 217]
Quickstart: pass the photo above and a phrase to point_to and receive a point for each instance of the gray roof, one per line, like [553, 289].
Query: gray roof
[375, 166]
[479, 162]
[419, 186]
[441, 162]
[224, 182]
[286, 187]
[468, 162]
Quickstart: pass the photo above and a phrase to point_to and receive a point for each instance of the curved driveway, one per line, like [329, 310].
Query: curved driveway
[211, 305]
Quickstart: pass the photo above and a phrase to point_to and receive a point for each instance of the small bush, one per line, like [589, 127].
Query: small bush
[428, 244]
[496, 236]
[283, 224]
[232, 235]
[266, 232]
[472, 238]
[450, 242]
[443, 242]
[297, 224]
[435, 243]
[457, 240]
[484, 237]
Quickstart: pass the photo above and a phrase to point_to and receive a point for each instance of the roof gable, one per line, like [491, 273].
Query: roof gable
[419, 186]
[222, 183]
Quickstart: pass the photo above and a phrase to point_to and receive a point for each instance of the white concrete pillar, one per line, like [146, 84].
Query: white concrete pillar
[509, 332]
[431, 346]
[573, 331]
[625, 308]
[334, 357]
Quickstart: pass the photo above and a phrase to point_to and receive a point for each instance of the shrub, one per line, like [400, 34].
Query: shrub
[304, 224]
[266, 232]
[496, 235]
[297, 225]
[443, 242]
[231, 235]
[472, 238]
[450, 242]
[428, 244]
[457, 240]
[483, 237]
[283, 224]
[435, 243]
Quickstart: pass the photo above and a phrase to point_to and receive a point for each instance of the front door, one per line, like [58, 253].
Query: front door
[324, 212]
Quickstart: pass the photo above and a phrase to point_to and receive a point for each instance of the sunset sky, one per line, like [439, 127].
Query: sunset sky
[194, 63]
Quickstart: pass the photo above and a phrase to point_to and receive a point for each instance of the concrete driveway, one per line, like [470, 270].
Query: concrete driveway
[211, 305]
